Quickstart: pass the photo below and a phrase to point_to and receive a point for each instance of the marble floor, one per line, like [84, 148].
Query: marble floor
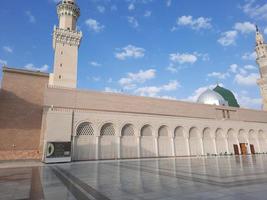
[220, 178]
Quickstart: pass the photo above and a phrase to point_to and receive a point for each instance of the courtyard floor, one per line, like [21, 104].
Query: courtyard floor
[220, 178]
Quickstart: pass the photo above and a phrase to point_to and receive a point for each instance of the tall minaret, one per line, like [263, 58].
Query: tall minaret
[261, 50]
[66, 41]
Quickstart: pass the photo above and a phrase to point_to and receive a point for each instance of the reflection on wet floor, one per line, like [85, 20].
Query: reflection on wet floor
[243, 177]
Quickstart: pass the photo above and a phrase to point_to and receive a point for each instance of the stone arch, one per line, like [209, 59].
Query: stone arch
[193, 133]
[164, 142]
[84, 128]
[195, 142]
[147, 142]
[163, 131]
[127, 130]
[179, 132]
[262, 141]
[147, 130]
[208, 142]
[107, 130]
[242, 136]
[84, 142]
[253, 141]
[128, 142]
[221, 142]
[233, 143]
[231, 133]
[180, 142]
[207, 133]
[243, 141]
[108, 146]
[219, 133]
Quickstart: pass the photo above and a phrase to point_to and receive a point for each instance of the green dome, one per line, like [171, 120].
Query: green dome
[227, 95]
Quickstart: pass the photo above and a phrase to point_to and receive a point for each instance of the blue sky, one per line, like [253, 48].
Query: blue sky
[161, 48]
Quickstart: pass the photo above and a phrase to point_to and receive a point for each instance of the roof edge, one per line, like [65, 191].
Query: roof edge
[24, 71]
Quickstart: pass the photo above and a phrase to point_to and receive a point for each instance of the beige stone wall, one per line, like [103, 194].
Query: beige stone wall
[195, 140]
[99, 101]
[21, 101]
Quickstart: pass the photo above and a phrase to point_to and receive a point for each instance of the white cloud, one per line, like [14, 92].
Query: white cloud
[113, 8]
[196, 24]
[249, 56]
[8, 49]
[30, 16]
[133, 22]
[131, 6]
[153, 91]
[183, 58]
[95, 64]
[228, 38]
[255, 10]
[265, 30]
[101, 9]
[94, 25]
[233, 68]
[246, 101]
[246, 80]
[168, 3]
[245, 27]
[148, 13]
[130, 81]
[219, 75]
[130, 51]
[96, 78]
[111, 90]
[250, 67]
[30, 66]
[172, 68]
[172, 85]
[3, 62]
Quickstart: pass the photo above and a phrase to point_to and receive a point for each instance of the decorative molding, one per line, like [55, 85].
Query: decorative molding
[64, 36]
[68, 9]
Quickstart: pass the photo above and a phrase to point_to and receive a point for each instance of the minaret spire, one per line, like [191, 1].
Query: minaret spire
[66, 41]
[261, 51]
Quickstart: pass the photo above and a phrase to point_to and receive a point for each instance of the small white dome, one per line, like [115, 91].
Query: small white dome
[212, 98]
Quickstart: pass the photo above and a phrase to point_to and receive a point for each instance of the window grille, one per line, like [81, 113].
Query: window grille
[163, 131]
[146, 131]
[127, 130]
[107, 130]
[85, 129]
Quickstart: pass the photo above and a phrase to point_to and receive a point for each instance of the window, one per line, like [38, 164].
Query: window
[127, 130]
[59, 76]
[146, 130]
[85, 129]
[107, 130]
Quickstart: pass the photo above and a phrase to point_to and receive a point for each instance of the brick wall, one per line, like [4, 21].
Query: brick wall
[21, 101]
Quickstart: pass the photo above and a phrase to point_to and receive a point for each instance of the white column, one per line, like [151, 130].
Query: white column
[173, 146]
[138, 147]
[215, 146]
[73, 146]
[97, 148]
[239, 148]
[227, 146]
[118, 147]
[248, 147]
[188, 147]
[156, 147]
[202, 146]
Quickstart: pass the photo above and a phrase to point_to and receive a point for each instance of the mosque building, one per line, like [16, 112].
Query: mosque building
[44, 116]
